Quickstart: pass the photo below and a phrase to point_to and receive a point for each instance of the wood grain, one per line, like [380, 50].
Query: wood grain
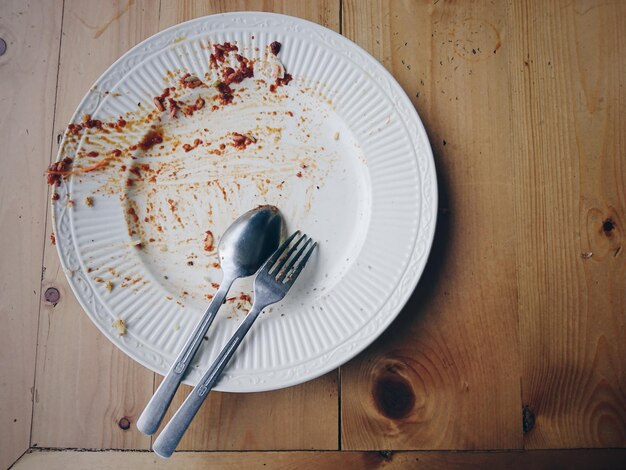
[28, 73]
[302, 417]
[324, 12]
[446, 373]
[575, 459]
[568, 71]
[84, 385]
[524, 293]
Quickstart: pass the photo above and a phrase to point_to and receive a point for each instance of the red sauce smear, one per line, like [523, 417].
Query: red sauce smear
[150, 140]
[190, 81]
[220, 52]
[199, 104]
[159, 100]
[225, 93]
[241, 141]
[59, 169]
[208, 241]
[229, 74]
[173, 107]
[89, 123]
[275, 47]
[133, 214]
[280, 82]
[189, 147]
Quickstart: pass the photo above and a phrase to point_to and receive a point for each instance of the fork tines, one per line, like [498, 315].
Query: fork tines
[287, 264]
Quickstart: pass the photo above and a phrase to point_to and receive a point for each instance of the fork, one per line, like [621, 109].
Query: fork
[273, 281]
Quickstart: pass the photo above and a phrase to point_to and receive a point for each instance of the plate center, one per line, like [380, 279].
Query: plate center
[288, 148]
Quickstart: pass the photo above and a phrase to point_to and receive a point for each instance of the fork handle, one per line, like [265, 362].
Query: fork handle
[168, 440]
[153, 413]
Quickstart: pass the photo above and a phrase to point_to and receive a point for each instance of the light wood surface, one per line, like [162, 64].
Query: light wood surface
[573, 459]
[515, 336]
[84, 385]
[28, 71]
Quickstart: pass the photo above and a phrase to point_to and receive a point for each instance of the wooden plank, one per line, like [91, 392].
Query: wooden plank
[28, 73]
[572, 459]
[302, 417]
[324, 12]
[568, 70]
[446, 373]
[84, 385]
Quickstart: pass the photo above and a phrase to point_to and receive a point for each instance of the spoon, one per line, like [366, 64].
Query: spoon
[242, 250]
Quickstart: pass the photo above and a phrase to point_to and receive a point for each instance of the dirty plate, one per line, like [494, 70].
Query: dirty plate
[339, 149]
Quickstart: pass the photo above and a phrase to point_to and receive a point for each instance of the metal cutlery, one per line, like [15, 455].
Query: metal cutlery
[272, 282]
[243, 248]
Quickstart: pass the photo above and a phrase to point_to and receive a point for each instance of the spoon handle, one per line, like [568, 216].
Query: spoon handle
[173, 432]
[151, 417]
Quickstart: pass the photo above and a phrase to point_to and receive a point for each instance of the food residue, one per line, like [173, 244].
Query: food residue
[208, 241]
[190, 147]
[120, 325]
[275, 47]
[57, 169]
[241, 141]
[150, 154]
[151, 138]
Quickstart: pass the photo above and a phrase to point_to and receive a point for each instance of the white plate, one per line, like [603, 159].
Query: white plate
[367, 193]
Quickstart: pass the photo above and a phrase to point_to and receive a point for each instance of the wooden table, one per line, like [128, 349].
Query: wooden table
[515, 338]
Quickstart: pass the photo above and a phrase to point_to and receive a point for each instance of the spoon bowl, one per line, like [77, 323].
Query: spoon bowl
[250, 241]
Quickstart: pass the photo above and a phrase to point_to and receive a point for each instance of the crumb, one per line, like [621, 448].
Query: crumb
[108, 285]
[120, 326]
[336, 136]
[275, 47]
[586, 255]
[89, 201]
[208, 241]
[53, 239]
[134, 242]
